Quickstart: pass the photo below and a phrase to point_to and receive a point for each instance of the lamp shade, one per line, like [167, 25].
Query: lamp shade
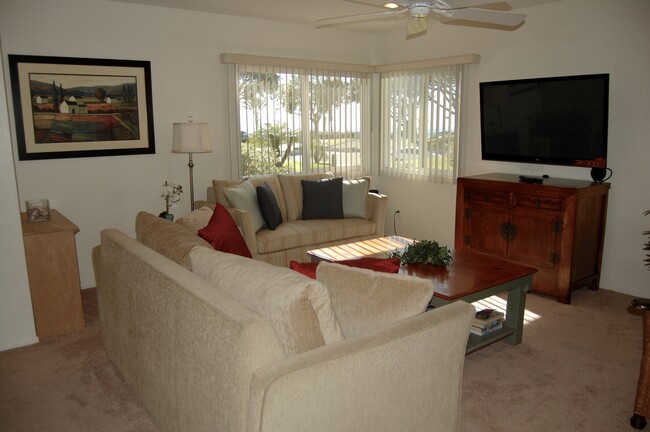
[191, 138]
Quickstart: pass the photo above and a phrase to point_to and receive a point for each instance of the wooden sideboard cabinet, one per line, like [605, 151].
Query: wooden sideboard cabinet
[557, 226]
[53, 273]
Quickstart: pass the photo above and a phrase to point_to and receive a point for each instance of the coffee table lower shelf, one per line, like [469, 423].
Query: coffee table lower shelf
[476, 342]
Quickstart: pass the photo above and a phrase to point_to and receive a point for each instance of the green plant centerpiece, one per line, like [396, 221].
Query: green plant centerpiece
[424, 252]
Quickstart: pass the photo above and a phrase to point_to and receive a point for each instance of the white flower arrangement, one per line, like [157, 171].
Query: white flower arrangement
[171, 194]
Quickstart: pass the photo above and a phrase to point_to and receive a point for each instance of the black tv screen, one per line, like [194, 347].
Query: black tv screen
[557, 121]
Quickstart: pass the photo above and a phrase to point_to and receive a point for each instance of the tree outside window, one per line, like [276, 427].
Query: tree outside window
[420, 122]
[301, 121]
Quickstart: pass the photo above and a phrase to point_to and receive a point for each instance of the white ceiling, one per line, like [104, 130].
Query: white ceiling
[291, 11]
[307, 11]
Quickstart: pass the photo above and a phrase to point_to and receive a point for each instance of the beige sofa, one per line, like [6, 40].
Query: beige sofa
[295, 236]
[237, 345]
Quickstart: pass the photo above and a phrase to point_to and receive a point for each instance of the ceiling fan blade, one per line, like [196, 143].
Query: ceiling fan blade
[416, 26]
[458, 4]
[485, 16]
[327, 22]
[376, 3]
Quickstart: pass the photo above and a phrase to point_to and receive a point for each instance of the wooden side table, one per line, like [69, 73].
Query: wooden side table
[53, 272]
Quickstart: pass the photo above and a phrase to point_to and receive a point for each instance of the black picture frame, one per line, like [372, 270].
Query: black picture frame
[68, 107]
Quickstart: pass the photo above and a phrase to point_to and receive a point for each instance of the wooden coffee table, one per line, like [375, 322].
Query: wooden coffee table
[377, 248]
[471, 277]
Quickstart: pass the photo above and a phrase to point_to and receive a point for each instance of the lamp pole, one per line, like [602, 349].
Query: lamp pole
[191, 138]
[190, 164]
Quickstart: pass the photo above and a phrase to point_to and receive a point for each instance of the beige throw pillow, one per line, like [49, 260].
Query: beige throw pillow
[364, 300]
[244, 197]
[298, 307]
[196, 220]
[355, 192]
[219, 186]
[167, 238]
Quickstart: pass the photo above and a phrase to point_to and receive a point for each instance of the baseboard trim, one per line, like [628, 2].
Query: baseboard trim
[19, 343]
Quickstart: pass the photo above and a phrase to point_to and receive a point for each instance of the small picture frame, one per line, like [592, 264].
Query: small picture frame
[37, 210]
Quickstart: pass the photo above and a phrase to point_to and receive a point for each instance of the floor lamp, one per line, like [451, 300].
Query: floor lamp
[191, 138]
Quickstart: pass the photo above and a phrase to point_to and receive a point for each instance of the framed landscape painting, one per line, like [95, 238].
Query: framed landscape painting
[68, 107]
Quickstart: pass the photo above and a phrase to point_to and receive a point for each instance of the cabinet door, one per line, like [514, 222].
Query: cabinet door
[588, 236]
[534, 237]
[483, 228]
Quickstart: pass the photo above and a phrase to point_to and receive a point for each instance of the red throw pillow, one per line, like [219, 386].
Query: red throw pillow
[308, 269]
[223, 234]
[384, 265]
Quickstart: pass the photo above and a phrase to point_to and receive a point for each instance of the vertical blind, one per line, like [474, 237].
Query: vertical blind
[295, 119]
[420, 114]
[294, 115]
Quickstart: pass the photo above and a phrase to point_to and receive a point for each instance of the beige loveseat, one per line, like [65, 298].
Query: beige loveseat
[238, 345]
[294, 236]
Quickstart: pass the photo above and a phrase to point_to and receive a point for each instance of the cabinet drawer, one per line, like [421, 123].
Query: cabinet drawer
[540, 202]
[485, 195]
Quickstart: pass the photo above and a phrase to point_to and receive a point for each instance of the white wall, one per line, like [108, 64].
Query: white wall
[188, 79]
[567, 37]
[16, 318]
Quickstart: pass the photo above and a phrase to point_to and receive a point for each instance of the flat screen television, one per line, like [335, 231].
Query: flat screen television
[556, 121]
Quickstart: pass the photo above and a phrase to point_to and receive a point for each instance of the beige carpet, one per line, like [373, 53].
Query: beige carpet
[67, 384]
[575, 371]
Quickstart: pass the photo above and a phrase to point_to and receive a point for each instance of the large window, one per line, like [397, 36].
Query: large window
[301, 119]
[420, 114]
[296, 116]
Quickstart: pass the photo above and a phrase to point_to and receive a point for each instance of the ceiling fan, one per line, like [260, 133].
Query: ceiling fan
[419, 11]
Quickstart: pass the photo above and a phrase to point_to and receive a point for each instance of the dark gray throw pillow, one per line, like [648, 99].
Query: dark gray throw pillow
[269, 206]
[322, 199]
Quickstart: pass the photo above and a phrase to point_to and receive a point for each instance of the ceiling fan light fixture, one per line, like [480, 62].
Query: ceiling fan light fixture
[419, 11]
[416, 27]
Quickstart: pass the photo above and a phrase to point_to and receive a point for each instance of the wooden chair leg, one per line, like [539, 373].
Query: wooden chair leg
[642, 402]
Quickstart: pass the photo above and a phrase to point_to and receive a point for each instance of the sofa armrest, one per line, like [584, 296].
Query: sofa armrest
[376, 208]
[405, 376]
[244, 221]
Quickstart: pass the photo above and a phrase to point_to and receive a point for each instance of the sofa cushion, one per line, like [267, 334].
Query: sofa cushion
[298, 308]
[244, 197]
[196, 220]
[355, 193]
[269, 206]
[364, 300]
[385, 265]
[169, 239]
[218, 187]
[223, 234]
[322, 199]
[292, 192]
[311, 232]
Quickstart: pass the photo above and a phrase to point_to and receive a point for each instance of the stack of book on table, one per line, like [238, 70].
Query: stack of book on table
[486, 321]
